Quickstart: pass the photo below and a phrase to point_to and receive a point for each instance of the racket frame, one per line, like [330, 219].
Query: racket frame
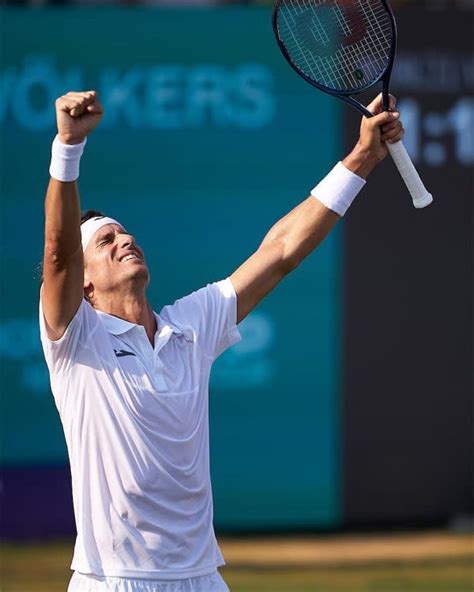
[420, 196]
[346, 96]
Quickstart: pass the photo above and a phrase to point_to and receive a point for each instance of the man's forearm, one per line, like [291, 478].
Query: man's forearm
[298, 233]
[306, 226]
[63, 218]
[301, 230]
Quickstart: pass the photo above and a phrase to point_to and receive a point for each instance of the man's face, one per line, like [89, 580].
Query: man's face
[112, 259]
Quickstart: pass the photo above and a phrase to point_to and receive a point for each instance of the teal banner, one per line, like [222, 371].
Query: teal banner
[208, 139]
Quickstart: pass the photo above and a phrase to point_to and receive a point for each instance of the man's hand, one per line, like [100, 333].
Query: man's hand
[77, 115]
[375, 131]
[385, 126]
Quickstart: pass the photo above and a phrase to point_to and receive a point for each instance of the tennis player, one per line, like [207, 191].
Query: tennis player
[131, 385]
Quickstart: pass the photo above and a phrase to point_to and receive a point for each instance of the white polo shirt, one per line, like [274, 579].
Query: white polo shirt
[135, 419]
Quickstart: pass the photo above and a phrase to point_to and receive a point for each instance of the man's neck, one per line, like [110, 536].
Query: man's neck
[132, 309]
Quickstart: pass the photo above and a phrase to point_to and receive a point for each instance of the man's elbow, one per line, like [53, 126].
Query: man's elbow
[289, 262]
[58, 255]
[278, 255]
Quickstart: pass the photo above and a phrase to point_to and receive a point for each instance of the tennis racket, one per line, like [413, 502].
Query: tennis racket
[344, 47]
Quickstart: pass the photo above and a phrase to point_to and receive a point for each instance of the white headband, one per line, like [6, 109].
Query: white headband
[89, 228]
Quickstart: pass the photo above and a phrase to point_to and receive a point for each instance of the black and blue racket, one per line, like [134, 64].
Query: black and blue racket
[344, 47]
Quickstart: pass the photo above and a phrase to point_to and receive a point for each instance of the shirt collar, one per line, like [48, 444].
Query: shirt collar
[118, 326]
[113, 324]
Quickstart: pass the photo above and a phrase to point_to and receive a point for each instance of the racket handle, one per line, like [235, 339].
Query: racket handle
[420, 195]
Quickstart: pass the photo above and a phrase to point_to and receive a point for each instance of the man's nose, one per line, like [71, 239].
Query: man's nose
[127, 240]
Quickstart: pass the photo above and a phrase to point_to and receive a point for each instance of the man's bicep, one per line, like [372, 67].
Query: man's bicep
[257, 277]
[62, 291]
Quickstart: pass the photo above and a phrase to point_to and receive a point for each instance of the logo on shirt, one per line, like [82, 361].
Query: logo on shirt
[120, 353]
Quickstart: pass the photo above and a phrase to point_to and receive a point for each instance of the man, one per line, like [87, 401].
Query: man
[131, 386]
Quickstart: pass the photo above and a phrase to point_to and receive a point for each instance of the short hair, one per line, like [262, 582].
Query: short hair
[85, 215]
[88, 214]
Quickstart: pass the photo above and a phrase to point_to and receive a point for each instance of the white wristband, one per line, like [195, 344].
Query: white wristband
[338, 189]
[65, 159]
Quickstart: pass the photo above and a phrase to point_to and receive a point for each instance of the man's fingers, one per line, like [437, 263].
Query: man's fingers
[71, 106]
[65, 104]
[95, 108]
[383, 118]
[388, 127]
[398, 138]
[88, 94]
[78, 103]
[376, 106]
[392, 132]
[388, 122]
[85, 98]
[394, 135]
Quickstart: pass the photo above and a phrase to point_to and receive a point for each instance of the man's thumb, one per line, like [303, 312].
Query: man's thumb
[95, 109]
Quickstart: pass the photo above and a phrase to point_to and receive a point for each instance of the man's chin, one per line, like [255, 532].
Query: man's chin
[138, 272]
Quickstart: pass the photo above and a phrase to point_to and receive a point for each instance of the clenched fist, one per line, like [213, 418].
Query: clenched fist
[77, 115]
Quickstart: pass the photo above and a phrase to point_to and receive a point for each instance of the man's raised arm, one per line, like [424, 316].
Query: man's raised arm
[298, 233]
[77, 114]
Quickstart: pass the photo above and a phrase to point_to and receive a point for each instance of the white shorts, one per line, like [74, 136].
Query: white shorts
[88, 583]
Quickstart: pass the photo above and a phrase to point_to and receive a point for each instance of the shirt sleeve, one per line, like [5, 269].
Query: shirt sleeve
[210, 314]
[61, 353]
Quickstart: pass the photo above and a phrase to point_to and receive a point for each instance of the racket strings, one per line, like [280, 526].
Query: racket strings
[343, 45]
[343, 61]
[375, 29]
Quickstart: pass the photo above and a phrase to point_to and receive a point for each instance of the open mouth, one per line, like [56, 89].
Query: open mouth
[129, 257]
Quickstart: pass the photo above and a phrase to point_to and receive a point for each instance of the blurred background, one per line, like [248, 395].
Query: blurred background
[341, 425]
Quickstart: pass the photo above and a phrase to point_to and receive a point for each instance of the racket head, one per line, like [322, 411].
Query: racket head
[330, 45]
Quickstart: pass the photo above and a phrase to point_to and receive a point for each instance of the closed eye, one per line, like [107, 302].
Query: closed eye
[105, 239]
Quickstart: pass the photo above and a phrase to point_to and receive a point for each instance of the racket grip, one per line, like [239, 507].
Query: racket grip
[420, 195]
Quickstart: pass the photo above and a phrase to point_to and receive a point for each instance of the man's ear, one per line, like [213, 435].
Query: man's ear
[88, 287]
